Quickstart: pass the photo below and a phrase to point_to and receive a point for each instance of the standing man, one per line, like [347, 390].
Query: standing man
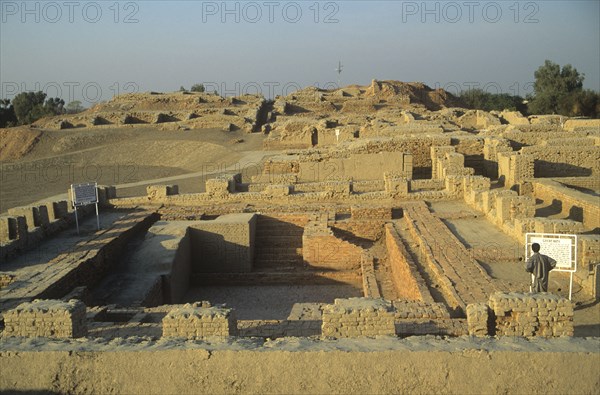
[539, 265]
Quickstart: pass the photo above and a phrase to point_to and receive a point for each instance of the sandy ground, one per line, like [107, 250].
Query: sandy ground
[419, 365]
[122, 156]
[48, 249]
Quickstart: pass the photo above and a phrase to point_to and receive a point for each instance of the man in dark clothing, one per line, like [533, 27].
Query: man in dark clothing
[539, 265]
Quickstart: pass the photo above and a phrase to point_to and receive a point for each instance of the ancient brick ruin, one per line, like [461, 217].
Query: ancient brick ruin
[392, 229]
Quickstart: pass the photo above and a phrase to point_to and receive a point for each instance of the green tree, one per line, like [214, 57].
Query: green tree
[31, 106]
[54, 106]
[482, 100]
[74, 107]
[197, 88]
[182, 89]
[7, 114]
[552, 86]
[580, 103]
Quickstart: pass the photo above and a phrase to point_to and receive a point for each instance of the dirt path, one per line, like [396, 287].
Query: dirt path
[250, 159]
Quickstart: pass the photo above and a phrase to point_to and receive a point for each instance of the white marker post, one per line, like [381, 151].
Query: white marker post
[561, 248]
[84, 194]
[337, 135]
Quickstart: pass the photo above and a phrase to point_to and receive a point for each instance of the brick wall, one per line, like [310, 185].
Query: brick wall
[528, 315]
[225, 244]
[591, 183]
[358, 317]
[577, 205]
[46, 318]
[366, 229]
[407, 279]
[565, 161]
[321, 249]
[199, 320]
[369, 212]
[370, 288]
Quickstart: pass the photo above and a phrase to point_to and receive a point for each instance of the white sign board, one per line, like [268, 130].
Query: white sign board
[561, 248]
[84, 194]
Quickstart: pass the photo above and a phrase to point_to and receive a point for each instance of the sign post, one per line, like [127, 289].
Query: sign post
[84, 194]
[562, 248]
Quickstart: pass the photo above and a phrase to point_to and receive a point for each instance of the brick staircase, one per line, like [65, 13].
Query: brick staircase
[278, 243]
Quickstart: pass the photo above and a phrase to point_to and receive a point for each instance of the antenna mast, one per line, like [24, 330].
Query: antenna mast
[339, 71]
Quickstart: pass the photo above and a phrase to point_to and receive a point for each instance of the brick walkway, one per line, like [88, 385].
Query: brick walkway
[80, 265]
[463, 280]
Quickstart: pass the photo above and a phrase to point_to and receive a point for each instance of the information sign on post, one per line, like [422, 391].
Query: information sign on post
[83, 195]
[562, 248]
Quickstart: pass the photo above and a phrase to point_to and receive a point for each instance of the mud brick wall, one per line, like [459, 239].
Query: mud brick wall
[415, 318]
[396, 185]
[522, 137]
[407, 279]
[321, 249]
[222, 185]
[368, 186]
[565, 161]
[437, 154]
[491, 148]
[515, 167]
[418, 147]
[364, 212]
[327, 166]
[528, 315]
[161, 191]
[34, 215]
[577, 205]
[436, 185]
[6, 279]
[12, 228]
[46, 318]
[366, 229]
[589, 251]
[478, 319]
[278, 190]
[576, 124]
[223, 245]
[199, 320]
[358, 317]
[370, 288]
[509, 207]
[592, 183]
[409, 310]
[588, 267]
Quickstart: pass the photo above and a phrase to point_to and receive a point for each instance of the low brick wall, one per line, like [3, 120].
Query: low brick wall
[321, 249]
[363, 212]
[407, 279]
[578, 205]
[537, 314]
[478, 319]
[46, 318]
[198, 320]
[370, 288]
[358, 317]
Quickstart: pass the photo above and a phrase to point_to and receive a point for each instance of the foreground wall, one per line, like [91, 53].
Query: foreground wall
[466, 370]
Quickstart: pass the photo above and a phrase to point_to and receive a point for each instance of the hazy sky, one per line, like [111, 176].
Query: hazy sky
[89, 51]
